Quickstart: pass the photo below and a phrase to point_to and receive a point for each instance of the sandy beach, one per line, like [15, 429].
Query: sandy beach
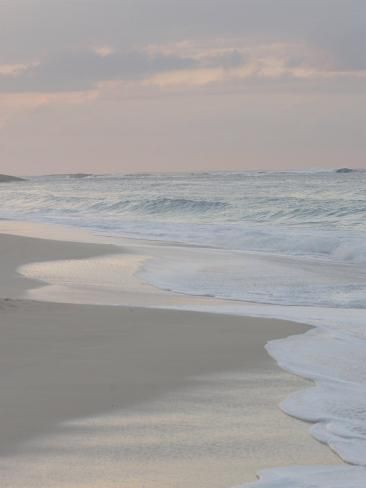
[182, 244]
[64, 365]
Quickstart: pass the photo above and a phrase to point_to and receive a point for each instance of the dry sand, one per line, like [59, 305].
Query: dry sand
[61, 363]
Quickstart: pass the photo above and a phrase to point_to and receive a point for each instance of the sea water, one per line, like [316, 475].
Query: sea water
[282, 244]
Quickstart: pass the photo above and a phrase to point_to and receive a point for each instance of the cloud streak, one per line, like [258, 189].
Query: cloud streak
[189, 63]
[82, 69]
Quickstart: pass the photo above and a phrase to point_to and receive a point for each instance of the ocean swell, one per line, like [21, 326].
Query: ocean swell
[178, 205]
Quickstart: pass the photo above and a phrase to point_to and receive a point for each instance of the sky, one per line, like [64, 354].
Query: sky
[173, 85]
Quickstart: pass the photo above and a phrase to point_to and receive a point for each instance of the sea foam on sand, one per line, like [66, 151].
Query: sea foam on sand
[332, 355]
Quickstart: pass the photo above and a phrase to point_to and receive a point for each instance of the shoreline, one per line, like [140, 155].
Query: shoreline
[60, 365]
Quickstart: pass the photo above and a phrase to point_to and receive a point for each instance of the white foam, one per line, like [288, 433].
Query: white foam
[337, 405]
[312, 477]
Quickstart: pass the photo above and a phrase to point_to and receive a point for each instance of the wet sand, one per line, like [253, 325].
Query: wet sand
[62, 364]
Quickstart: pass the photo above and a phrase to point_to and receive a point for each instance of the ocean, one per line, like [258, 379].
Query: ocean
[281, 244]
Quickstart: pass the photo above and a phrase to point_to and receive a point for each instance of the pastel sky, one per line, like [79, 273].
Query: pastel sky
[144, 85]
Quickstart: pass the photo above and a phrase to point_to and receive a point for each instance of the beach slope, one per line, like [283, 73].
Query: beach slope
[62, 363]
